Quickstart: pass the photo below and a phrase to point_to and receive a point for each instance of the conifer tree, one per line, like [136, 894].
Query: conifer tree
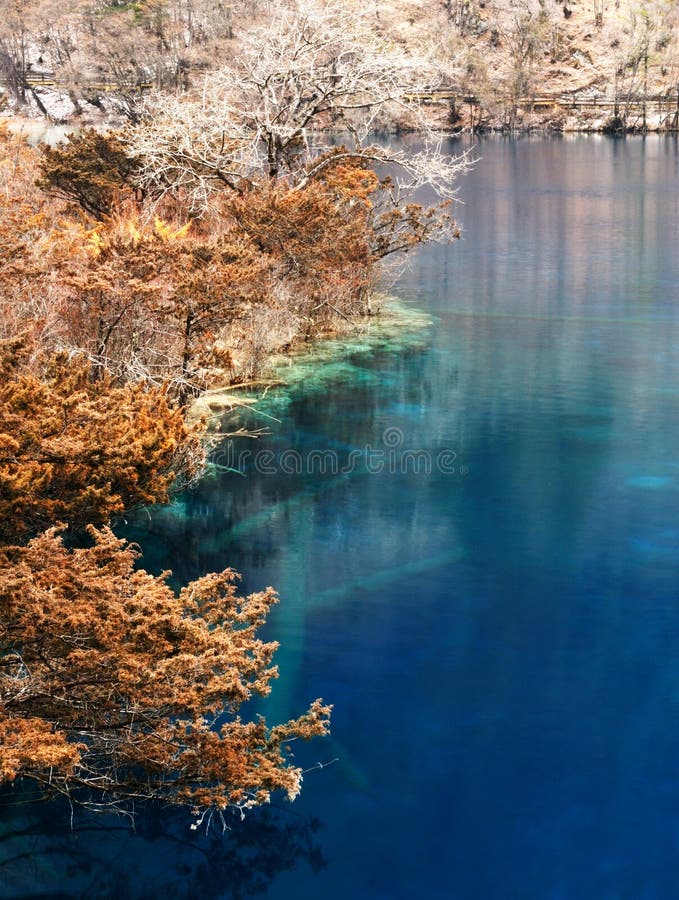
[81, 451]
[114, 688]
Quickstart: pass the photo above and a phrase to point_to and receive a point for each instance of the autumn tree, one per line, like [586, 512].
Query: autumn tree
[173, 300]
[91, 169]
[113, 688]
[316, 240]
[251, 147]
[80, 451]
[29, 295]
[191, 301]
[146, 300]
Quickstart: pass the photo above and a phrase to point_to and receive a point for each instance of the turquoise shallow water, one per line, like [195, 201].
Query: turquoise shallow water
[475, 536]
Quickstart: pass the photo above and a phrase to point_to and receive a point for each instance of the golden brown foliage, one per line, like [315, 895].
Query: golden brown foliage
[90, 169]
[111, 682]
[80, 451]
[146, 299]
[113, 686]
[149, 298]
[28, 292]
[315, 238]
[153, 296]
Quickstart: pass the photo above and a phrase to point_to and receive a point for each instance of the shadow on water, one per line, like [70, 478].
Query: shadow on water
[43, 855]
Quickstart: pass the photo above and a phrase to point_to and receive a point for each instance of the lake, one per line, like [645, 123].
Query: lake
[474, 530]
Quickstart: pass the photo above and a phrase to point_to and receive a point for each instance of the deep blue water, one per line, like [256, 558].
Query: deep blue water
[495, 618]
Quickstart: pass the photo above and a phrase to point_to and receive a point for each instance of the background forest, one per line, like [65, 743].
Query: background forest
[505, 63]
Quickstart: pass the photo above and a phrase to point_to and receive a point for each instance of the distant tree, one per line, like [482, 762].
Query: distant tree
[640, 34]
[79, 451]
[464, 14]
[115, 689]
[524, 29]
[15, 40]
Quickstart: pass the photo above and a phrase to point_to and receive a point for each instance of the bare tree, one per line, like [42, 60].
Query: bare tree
[18, 23]
[636, 40]
[313, 67]
[525, 29]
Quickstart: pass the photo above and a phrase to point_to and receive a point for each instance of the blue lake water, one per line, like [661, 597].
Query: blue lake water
[482, 575]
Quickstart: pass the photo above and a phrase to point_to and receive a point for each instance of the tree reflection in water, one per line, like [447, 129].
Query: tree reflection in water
[103, 857]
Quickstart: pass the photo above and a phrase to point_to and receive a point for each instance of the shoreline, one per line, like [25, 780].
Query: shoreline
[39, 129]
[396, 325]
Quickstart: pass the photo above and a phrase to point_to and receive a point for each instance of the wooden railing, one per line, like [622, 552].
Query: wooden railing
[559, 101]
[48, 79]
[667, 103]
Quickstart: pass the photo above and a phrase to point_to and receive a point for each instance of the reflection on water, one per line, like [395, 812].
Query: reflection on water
[501, 641]
[60, 852]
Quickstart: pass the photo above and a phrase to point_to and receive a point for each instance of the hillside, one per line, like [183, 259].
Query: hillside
[564, 64]
[509, 64]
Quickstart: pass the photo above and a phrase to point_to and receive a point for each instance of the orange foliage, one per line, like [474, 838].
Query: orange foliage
[112, 682]
[90, 169]
[315, 237]
[159, 297]
[148, 299]
[80, 451]
[27, 222]
[173, 299]
[33, 744]
[109, 680]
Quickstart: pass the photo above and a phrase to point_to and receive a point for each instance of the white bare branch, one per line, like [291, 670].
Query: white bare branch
[316, 66]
